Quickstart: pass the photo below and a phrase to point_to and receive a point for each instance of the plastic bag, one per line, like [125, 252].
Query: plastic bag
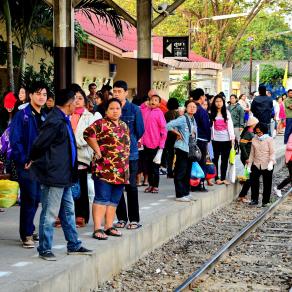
[157, 158]
[246, 173]
[232, 155]
[197, 171]
[8, 193]
[231, 173]
[194, 182]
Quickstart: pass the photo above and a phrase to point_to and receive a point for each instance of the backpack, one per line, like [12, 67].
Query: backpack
[5, 146]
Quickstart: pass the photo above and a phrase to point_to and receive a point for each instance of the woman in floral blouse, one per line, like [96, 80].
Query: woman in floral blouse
[109, 138]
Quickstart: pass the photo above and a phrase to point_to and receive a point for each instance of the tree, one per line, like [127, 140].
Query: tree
[31, 24]
[7, 17]
[220, 40]
[270, 74]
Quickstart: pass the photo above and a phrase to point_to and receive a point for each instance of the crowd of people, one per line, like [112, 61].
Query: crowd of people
[53, 142]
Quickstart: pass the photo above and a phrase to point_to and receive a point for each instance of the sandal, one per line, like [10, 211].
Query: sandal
[110, 232]
[219, 182]
[155, 190]
[210, 183]
[148, 190]
[134, 225]
[100, 231]
[120, 224]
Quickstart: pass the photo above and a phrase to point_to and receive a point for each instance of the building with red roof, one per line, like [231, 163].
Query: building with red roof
[122, 53]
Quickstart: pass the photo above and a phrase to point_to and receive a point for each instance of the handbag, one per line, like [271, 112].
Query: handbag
[197, 171]
[210, 169]
[194, 150]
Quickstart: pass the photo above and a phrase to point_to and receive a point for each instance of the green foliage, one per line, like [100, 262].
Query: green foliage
[271, 74]
[45, 74]
[3, 55]
[181, 91]
[268, 43]
[215, 37]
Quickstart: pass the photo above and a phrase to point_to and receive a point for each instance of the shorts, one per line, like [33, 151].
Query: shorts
[107, 194]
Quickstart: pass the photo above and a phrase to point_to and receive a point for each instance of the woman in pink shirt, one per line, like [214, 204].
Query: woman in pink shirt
[222, 136]
[282, 116]
[153, 140]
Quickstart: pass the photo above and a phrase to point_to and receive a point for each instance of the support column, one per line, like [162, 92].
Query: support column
[144, 50]
[63, 43]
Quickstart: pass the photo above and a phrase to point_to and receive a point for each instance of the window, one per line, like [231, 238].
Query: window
[91, 52]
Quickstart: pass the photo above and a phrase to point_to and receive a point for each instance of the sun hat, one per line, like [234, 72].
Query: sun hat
[252, 121]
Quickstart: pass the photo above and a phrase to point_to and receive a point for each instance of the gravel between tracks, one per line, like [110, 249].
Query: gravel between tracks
[167, 266]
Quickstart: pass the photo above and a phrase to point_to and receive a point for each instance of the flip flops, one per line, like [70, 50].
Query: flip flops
[134, 225]
[110, 232]
[120, 224]
[100, 231]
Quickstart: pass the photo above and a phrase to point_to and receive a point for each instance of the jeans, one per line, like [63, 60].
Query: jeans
[182, 173]
[152, 168]
[107, 194]
[221, 149]
[30, 198]
[255, 184]
[57, 202]
[132, 198]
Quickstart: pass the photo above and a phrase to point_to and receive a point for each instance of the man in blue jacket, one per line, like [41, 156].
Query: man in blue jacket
[132, 116]
[53, 161]
[204, 130]
[24, 129]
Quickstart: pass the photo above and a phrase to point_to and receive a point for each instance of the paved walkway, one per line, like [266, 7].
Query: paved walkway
[22, 270]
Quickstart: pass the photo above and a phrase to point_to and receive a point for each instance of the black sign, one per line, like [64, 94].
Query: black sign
[176, 47]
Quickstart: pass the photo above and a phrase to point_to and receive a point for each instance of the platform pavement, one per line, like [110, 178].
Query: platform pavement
[161, 216]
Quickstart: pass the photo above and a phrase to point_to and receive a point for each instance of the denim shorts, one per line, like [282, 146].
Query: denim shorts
[107, 194]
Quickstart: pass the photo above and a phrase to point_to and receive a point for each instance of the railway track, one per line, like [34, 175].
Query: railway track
[257, 258]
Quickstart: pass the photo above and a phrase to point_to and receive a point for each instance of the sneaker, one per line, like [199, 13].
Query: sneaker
[183, 199]
[35, 237]
[28, 242]
[81, 251]
[278, 192]
[253, 203]
[48, 256]
[191, 197]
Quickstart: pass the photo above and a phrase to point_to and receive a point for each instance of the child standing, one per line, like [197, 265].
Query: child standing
[153, 140]
[261, 163]
[245, 146]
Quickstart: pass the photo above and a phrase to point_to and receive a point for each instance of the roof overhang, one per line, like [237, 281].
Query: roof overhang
[178, 64]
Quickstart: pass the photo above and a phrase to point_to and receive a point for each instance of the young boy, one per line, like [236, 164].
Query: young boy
[153, 140]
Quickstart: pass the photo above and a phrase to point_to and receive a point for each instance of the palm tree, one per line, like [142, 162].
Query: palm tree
[31, 23]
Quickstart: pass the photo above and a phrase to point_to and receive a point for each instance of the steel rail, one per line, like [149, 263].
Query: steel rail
[239, 236]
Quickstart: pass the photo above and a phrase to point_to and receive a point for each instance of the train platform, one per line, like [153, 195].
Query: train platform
[162, 218]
